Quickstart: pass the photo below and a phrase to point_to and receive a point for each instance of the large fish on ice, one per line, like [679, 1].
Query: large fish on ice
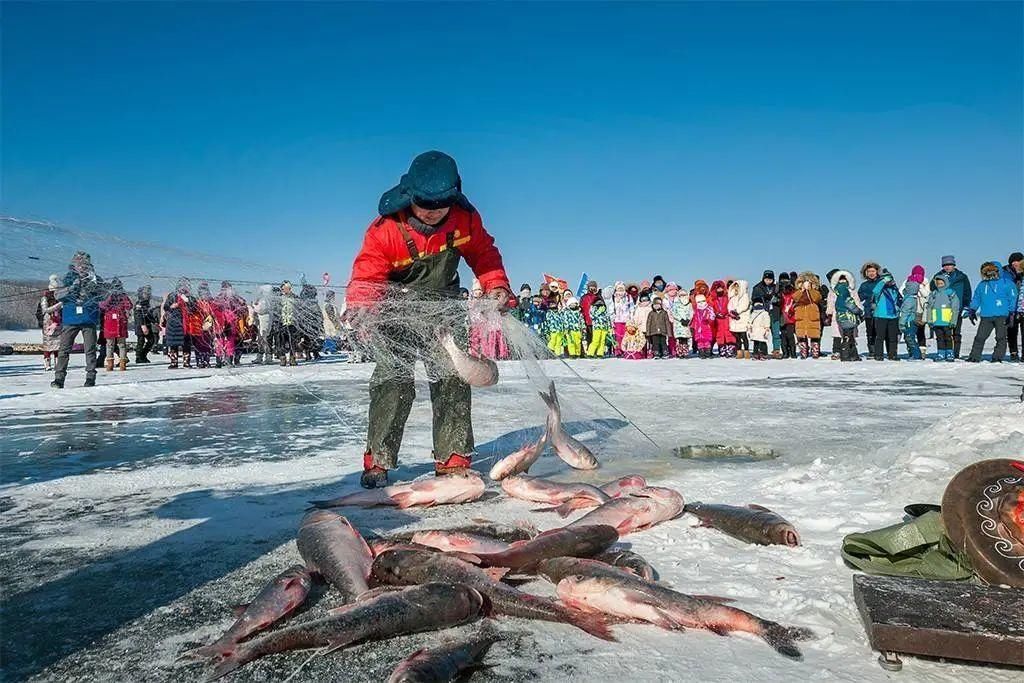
[537, 490]
[446, 490]
[331, 546]
[277, 600]
[574, 453]
[753, 523]
[628, 597]
[637, 511]
[622, 486]
[442, 664]
[521, 460]
[405, 567]
[459, 542]
[474, 371]
[428, 607]
[584, 541]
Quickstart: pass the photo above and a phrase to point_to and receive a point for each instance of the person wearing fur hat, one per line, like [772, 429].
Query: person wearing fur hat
[80, 297]
[759, 329]
[703, 325]
[886, 302]
[943, 312]
[961, 284]
[870, 273]
[739, 316]
[1013, 271]
[622, 307]
[523, 302]
[807, 314]
[768, 292]
[48, 313]
[993, 301]
[116, 308]
[658, 327]
[844, 311]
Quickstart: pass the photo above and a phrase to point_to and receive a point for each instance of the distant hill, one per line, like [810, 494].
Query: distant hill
[18, 300]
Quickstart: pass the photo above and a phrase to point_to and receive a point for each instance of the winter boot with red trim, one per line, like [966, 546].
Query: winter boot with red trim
[455, 464]
[374, 476]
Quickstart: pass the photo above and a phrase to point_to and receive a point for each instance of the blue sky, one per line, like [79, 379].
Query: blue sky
[692, 140]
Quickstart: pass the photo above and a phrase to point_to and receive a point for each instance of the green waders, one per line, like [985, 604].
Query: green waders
[392, 385]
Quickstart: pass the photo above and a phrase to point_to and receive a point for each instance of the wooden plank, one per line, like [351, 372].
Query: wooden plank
[942, 618]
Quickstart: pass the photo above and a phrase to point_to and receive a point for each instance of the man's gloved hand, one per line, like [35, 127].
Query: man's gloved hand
[503, 296]
[734, 315]
[973, 315]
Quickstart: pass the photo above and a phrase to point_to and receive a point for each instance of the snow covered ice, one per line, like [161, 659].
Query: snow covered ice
[135, 514]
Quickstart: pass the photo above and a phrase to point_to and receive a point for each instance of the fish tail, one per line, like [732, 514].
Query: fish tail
[229, 660]
[784, 638]
[321, 504]
[594, 623]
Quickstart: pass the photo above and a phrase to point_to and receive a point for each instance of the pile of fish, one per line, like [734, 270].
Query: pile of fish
[436, 579]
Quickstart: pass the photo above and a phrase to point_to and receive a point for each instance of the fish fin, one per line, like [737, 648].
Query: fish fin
[547, 400]
[402, 499]
[705, 523]
[321, 505]
[497, 573]
[783, 638]
[762, 508]
[714, 598]
[552, 394]
[718, 629]
[239, 609]
[547, 509]
[464, 556]
[594, 623]
[517, 544]
[210, 651]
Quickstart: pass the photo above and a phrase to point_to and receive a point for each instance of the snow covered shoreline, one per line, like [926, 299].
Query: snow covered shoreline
[163, 497]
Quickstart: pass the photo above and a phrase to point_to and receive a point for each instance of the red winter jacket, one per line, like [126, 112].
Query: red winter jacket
[720, 304]
[585, 303]
[384, 252]
[115, 316]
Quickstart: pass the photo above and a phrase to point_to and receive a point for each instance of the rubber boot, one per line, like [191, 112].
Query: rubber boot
[109, 364]
[373, 476]
[815, 349]
[173, 356]
[90, 382]
[802, 349]
[455, 465]
[123, 365]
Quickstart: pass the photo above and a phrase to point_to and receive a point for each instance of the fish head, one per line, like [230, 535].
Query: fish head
[666, 500]
[783, 533]
[320, 516]
[398, 567]
[296, 578]
[577, 590]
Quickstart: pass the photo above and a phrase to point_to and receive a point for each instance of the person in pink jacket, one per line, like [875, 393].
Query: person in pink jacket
[703, 326]
[115, 309]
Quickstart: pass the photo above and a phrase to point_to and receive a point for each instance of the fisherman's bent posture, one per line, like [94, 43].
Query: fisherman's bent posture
[408, 264]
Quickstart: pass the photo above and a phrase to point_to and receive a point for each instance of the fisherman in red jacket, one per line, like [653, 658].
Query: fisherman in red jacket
[408, 263]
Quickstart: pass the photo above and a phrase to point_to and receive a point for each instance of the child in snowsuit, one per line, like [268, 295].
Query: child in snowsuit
[847, 316]
[49, 322]
[788, 320]
[943, 311]
[553, 324]
[643, 309]
[759, 329]
[681, 311]
[908, 319]
[602, 327]
[573, 325]
[658, 326]
[739, 316]
[807, 315]
[115, 310]
[633, 343]
[533, 316]
[703, 324]
[621, 313]
[719, 302]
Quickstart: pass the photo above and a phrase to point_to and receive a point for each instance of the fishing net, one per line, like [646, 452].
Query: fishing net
[238, 311]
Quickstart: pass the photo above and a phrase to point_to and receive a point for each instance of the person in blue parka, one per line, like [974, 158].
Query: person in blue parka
[80, 312]
[886, 301]
[994, 300]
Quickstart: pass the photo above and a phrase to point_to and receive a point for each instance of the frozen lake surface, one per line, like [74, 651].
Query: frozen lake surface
[134, 514]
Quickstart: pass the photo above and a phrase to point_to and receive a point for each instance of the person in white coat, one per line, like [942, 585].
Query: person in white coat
[739, 316]
[263, 309]
[759, 329]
